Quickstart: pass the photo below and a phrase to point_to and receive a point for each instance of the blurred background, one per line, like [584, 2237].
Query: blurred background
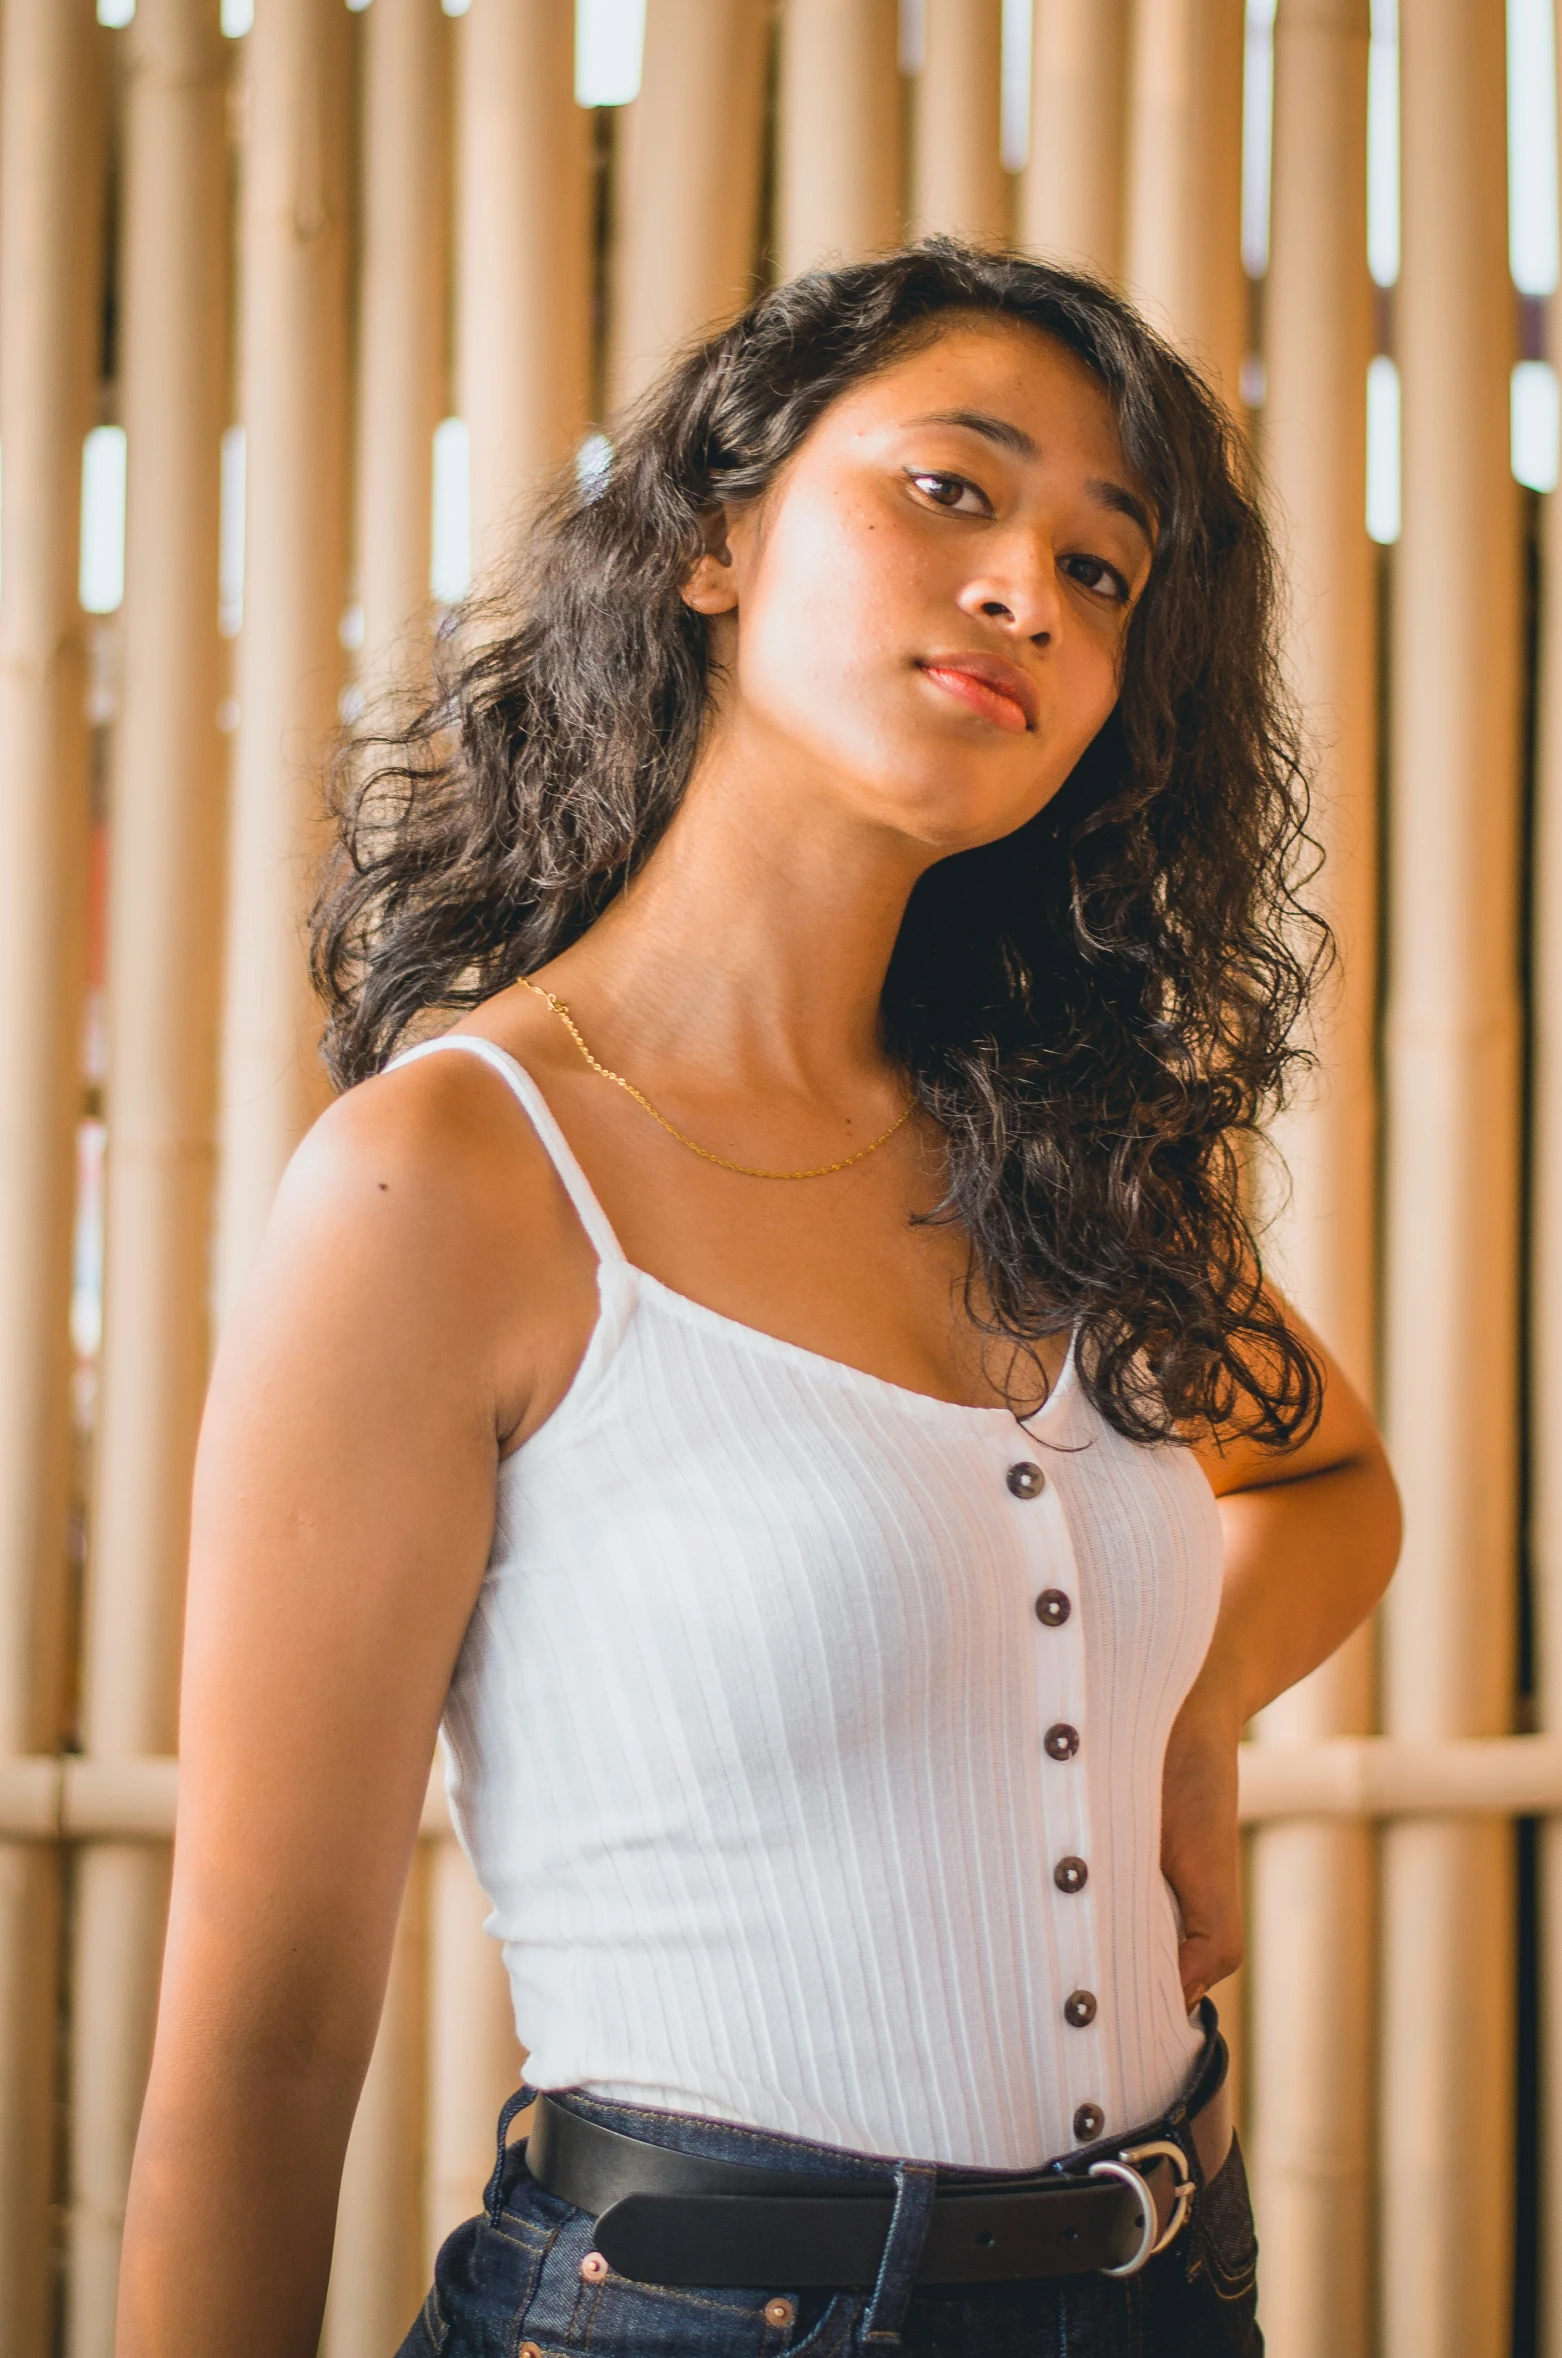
[298, 298]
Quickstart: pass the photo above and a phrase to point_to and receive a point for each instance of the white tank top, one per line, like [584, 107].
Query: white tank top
[807, 1737]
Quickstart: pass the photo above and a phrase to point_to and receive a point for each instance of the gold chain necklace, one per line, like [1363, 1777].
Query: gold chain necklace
[744, 1170]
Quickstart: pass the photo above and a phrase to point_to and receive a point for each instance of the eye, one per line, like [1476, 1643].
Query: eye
[1096, 575]
[956, 493]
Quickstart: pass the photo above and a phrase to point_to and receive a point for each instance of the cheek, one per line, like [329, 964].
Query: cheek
[830, 610]
[1089, 679]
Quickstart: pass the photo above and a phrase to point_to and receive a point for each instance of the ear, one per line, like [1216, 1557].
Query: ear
[711, 587]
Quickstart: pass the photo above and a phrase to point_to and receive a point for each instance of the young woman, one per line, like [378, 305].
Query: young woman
[787, 1377]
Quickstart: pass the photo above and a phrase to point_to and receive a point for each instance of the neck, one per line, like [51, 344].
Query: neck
[755, 941]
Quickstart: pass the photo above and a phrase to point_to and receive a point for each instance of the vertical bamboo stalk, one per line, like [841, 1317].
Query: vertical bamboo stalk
[1546, 1407]
[523, 256]
[523, 368]
[402, 362]
[474, 2056]
[402, 379]
[1071, 191]
[1312, 1884]
[838, 136]
[50, 227]
[1453, 1102]
[958, 182]
[1545, 1326]
[1183, 208]
[166, 852]
[293, 407]
[686, 211]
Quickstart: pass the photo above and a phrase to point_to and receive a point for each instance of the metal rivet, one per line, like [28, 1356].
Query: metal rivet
[780, 2312]
[1061, 1742]
[1079, 2008]
[1053, 1607]
[1026, 1480]
[1089, 2121]
[593, 2268]
[1071, 1874]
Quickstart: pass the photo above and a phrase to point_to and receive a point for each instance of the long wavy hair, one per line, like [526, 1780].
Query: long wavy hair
[1098, 1011]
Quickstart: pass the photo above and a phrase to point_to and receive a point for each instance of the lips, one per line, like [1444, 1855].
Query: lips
[987, 684]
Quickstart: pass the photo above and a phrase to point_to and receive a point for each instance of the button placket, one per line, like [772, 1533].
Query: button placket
[1056, 1633]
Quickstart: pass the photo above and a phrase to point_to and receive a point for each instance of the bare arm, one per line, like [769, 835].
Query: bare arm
[1311, 1539]
[343, 1506]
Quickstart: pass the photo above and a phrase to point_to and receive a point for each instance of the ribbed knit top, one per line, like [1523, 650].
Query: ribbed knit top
[791, 1705]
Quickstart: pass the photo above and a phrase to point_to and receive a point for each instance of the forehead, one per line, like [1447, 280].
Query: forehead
[1003, 367]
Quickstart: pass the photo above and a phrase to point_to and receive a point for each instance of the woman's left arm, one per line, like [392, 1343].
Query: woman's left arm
[1311, 1538]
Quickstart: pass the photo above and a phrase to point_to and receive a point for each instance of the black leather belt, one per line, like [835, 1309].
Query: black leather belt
[663, 2216]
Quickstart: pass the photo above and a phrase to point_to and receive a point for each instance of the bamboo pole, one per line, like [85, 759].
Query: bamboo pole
[1452, 1065]
[292, 404]
[1183, 206]
[1319, 341]
[958, 182]
[838, 132]
[50, 230]
[686, 211]
[523, 256]
[402, 359]
[1071, 191]
[402, 379]
[165, 896]
[1545, 1327]
[1312, 1885]
[523, 367]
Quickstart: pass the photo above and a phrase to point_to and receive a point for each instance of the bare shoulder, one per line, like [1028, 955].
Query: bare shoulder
[444, 1128]
[422, 1206]
[439, 1148]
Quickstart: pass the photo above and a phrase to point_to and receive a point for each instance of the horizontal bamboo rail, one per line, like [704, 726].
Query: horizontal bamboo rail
[72, 1798]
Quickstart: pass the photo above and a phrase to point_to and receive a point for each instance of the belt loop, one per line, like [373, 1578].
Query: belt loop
[507, 2112]
[915, 2185]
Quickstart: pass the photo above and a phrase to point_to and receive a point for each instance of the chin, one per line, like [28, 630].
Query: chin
[947, 821]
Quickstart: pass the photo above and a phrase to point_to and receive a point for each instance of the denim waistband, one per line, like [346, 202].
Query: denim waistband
[722, 2140]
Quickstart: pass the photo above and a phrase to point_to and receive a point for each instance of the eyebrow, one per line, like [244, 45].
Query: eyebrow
[1019, 444]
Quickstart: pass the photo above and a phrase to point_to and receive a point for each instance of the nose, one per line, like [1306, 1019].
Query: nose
[1018, 589]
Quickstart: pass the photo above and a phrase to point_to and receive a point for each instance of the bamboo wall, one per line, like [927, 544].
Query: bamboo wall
[337, 228]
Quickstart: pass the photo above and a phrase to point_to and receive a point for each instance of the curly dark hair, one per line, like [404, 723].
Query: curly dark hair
[1098, 1011]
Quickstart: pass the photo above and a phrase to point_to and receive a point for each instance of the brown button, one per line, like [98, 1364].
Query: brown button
[1026, 1480]
[1062, 1741]
[1089, 2121]
[1079, 2008]
[1053, 1607]
[1071, 1874]
[528, 2350]
[780, 2312]
[593, 2267]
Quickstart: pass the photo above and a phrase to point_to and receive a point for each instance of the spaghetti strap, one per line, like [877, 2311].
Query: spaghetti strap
[554, 1143]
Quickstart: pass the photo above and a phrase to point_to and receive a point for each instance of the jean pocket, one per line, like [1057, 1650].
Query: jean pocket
[624, 2318]
[1223, 2233]
[484, 2279]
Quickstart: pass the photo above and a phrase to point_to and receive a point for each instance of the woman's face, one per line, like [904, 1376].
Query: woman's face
[925, 613]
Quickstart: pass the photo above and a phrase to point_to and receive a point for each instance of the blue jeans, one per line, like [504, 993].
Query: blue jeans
[508, 2284]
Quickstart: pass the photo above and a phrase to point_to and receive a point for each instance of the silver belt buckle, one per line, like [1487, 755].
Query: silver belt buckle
[1123, 2169]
